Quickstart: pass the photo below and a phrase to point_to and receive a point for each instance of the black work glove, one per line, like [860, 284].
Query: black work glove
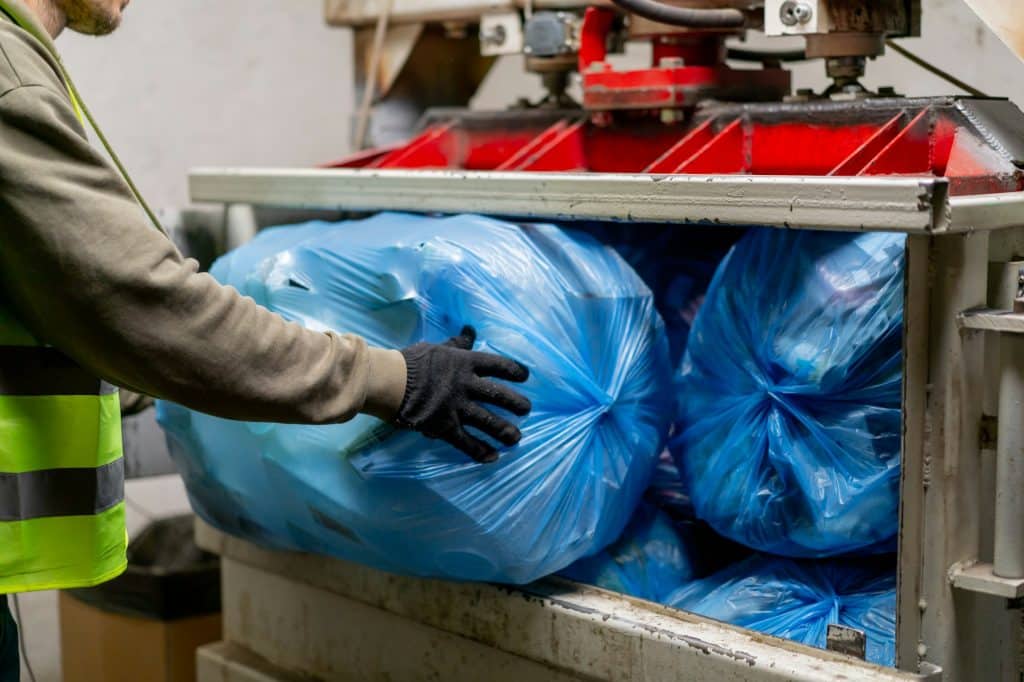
[445, 388]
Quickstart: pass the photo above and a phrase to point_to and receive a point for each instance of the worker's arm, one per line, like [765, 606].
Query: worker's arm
[84, 271]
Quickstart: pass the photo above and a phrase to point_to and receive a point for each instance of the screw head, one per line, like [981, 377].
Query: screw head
[496, 36]
[793, 12]
[803, 12]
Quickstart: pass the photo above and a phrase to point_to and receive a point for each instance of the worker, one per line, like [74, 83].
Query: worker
[92, 297]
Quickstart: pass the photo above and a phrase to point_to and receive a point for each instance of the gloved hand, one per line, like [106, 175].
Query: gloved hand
[447, 384]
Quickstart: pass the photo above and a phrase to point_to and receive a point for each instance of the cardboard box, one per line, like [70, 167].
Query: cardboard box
[97, 646]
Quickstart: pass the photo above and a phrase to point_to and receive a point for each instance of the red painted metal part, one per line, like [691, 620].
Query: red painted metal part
[913, 140]
[597, 23]
[685, 70]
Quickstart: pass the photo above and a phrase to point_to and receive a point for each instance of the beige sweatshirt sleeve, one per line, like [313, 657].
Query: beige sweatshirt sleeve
[83, 270]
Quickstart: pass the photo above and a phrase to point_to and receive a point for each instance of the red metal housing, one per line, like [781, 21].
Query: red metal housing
[686, 68]
[974, 143]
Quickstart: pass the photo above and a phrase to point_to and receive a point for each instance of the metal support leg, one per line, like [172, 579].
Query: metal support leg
[1008, 559]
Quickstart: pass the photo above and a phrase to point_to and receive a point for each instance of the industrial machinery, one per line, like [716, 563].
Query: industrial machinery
[704, 132]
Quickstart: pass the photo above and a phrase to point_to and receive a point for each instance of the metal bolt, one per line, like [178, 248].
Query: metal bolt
[496, 36]
[670, 116]
[793, 12]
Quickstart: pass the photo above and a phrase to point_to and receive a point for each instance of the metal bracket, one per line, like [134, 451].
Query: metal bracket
[988, 320]
[501, 34]
[846, 640]
[978, 577]
[795, 17]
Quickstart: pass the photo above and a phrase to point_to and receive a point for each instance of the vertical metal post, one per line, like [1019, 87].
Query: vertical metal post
[1008, 555]
[941, 480]
[909, 625]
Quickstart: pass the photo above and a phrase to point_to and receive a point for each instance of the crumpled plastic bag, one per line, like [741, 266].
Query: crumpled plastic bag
[799, 599]
[788, 435]
[663, 548]
[667, 491]
[676, 262]
[653, 557]
[563, 304]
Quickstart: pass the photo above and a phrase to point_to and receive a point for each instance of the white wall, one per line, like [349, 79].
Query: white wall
[209, 82]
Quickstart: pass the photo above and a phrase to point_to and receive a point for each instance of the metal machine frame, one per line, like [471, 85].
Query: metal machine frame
[952, 610]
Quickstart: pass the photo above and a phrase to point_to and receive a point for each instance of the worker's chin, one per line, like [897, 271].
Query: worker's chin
[93, 17]
[97, 24]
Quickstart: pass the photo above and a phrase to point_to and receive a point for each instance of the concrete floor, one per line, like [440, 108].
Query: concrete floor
[147, 499]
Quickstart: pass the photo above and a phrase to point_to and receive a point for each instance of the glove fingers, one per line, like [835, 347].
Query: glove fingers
[494, 393]
[465, 339]
[477, 449]
[490, 365]
[501, 430]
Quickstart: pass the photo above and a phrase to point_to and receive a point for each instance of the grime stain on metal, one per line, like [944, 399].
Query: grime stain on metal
[703, 646]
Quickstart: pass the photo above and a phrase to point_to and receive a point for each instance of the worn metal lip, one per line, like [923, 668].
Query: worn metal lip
[574, 614]
[909, 204]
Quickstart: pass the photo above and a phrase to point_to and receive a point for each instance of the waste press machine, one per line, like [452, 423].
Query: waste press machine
[704, 134]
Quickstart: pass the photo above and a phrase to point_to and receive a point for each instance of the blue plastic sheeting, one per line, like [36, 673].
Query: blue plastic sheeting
[799, 599]
[566, 306]
[654, 556]
[789, 420]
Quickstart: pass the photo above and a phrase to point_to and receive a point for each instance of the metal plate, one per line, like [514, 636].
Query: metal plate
[912, 205]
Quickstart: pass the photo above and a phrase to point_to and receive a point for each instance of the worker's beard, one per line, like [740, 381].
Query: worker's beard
[92, 17]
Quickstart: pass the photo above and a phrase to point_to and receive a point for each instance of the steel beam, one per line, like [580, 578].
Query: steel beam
[911, 205]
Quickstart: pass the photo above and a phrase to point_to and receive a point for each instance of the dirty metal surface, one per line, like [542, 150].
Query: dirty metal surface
[567, 629]
[913, 205]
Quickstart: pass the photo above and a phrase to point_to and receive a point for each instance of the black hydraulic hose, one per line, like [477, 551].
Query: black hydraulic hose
[744, 55]
[678, 16]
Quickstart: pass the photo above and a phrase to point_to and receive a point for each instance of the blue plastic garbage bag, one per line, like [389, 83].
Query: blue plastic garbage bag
[653, 557]
[799, 599]
[667, 491]
[677, 263]
[663, 548]
[566, 306]
[789, 423]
